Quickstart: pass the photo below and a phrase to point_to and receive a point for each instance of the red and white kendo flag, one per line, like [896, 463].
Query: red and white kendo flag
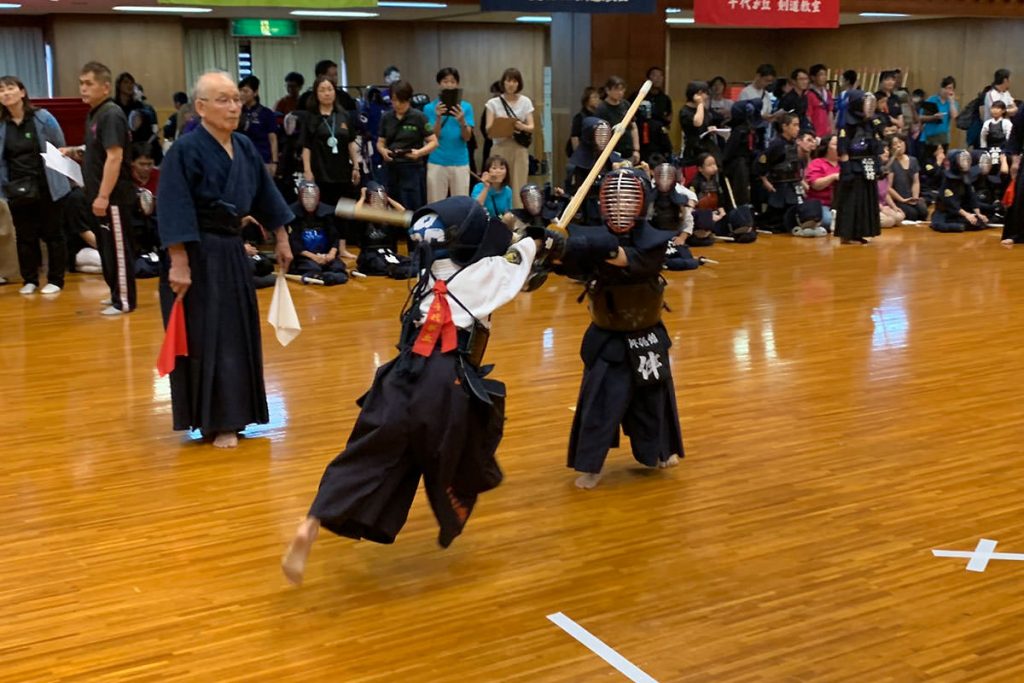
[768, 13]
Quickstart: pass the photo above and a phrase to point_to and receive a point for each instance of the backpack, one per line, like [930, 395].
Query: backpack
[969, 115]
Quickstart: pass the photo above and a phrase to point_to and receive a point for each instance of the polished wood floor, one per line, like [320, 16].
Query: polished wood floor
[845, 410]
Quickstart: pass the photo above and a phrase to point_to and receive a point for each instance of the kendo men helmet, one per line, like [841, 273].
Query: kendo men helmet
[963, 161]
[376, 195]
[665, 177]
[985, 163]
[147, 202]
[533, 199]
[602, 134]
[309, 196]
[622, 200]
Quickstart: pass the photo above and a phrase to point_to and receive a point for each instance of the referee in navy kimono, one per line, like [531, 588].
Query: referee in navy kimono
[209, 181]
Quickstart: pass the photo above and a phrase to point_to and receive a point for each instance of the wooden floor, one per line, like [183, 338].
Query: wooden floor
[845, 410]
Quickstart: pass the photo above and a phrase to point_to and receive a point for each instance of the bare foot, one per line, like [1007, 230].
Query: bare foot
[293, 564]
[225, 440]
[1006, 243]
[587, 480]
[348, 255]
[672, 461]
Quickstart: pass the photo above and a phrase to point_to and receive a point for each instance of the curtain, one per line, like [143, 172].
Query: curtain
[209, 48]
[273, 59]
[23, 54]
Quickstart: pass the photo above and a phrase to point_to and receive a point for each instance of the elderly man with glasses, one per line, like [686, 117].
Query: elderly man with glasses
[209, 182]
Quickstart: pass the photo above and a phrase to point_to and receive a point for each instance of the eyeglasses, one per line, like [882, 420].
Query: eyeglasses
[223, 101]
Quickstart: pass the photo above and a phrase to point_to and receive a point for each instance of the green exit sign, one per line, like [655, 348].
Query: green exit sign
[264, 28]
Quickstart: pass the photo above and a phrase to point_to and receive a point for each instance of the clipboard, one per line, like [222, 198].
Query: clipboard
[501, 127]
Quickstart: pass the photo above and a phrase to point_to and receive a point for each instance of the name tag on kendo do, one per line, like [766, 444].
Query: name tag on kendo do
[648, 357]
[869, 169]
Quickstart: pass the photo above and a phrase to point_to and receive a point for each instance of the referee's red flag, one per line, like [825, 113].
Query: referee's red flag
[175, 339]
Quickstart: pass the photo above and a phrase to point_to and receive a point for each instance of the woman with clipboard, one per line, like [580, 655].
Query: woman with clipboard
[510, 125]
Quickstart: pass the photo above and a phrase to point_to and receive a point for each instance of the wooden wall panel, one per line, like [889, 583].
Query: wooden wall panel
[151, 49]
[626, 45]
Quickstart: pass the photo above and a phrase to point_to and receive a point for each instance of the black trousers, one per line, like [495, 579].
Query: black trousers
[914, 211]
[413, 425]
[117, 255]
[40, 220]
[219, 387]
[609, 397]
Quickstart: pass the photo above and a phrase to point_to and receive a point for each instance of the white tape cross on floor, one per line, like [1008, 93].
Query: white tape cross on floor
[594, 644]
[979, 558]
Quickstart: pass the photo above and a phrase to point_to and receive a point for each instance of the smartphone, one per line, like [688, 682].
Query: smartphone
[451, 97]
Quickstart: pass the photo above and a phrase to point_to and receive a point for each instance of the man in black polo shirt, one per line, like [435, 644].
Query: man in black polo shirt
[406, 139]
[108, 185]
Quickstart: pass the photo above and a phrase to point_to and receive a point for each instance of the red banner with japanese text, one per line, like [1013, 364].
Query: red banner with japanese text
[768, 13]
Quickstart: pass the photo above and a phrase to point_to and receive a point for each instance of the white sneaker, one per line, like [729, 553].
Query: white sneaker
[110, 310]
[107, 302]
[820, 231]
[28, 289]
[49, 288]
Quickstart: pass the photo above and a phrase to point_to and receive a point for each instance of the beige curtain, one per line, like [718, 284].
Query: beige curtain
[23, 54]
[209, 48]
[273, 59]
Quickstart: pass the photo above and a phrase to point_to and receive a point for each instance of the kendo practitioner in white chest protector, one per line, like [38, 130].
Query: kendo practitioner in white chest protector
[431, 412]
[627, 378]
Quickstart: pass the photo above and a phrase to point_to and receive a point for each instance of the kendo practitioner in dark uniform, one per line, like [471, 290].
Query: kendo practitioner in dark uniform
[594, 138]
[714, 205]
[538, 212]
[740, 148]
[932, 171]
[1013, 226]
[209, 181]
[957, 208]
[780, 172]
[146, 242]
[668, 213]
[314, 239]
[988, 186]
[430, 412]
[860, 146]
[627, 378]
[378, 248]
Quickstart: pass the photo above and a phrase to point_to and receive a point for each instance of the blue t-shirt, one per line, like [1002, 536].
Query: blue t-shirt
[497, 203]
[938, 127]
[451, 148]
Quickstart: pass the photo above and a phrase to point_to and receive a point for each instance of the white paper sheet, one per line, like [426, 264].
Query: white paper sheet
[62, 164]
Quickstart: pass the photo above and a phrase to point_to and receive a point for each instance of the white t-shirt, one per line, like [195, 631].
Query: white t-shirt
[522, 108]
[752, 93]
[994, 95]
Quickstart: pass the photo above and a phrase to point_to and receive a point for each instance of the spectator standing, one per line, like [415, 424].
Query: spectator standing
[404, 142]
[820, 104]
[937, 126]
[33, 192]
[258, 123]
[293, 83]
[330, 151]
[448, 165]
[512, 104]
